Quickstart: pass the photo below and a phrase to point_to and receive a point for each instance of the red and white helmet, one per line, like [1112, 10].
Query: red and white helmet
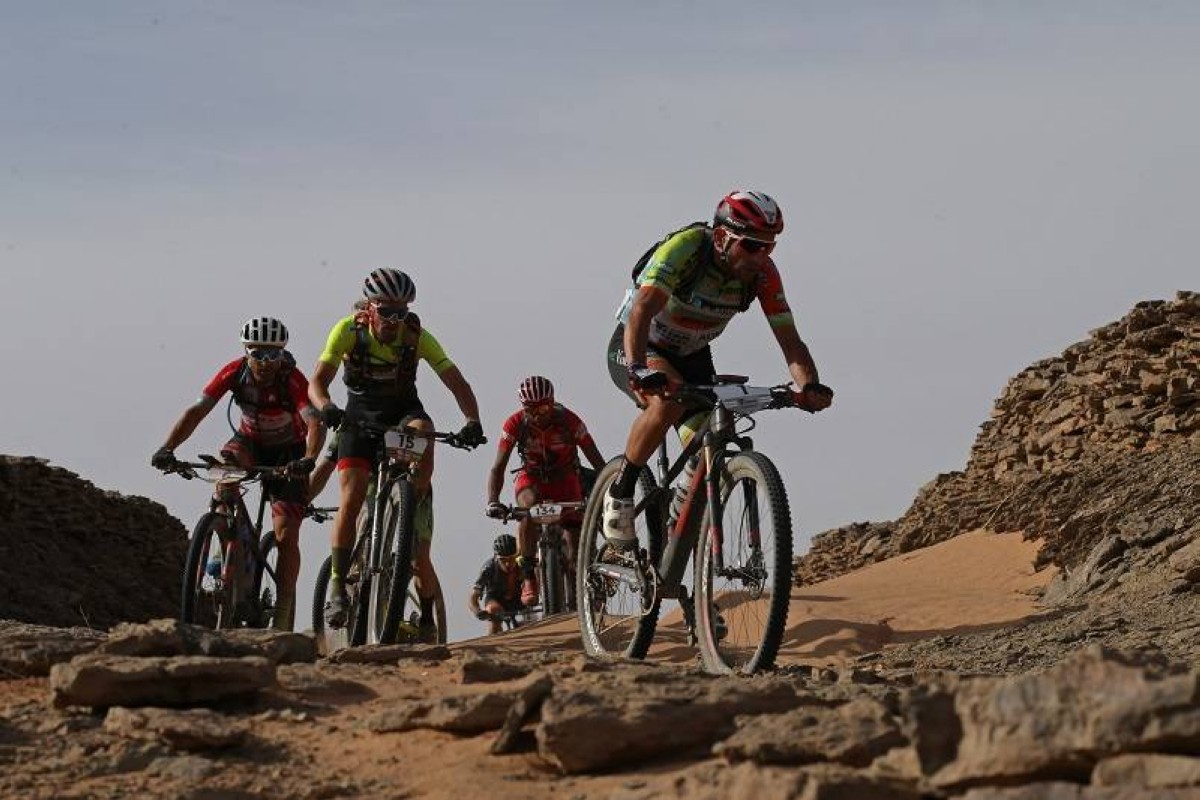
[749, 213]
[535, 389]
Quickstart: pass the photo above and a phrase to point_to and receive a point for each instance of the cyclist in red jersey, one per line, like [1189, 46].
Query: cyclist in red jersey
[547, 436]
[278, 428]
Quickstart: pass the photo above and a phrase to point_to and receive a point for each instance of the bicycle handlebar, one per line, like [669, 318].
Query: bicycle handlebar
[376, 429]
[520, 512]
[194, 469]
[733, 392]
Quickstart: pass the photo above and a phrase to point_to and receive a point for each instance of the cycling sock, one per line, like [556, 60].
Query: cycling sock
[340, 566]
[426, 611]
[623, 486]
[285, 612]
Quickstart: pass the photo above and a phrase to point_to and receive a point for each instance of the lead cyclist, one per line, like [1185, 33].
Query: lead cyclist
[693, 283]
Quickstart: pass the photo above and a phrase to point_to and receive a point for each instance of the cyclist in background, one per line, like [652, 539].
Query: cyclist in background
[497, 590]
[548, 437]
[279, 427]
[379, 350]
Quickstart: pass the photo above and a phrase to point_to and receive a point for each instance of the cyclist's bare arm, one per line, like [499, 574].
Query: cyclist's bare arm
[318, 386]
[314, 436]
[646, 304]
[192, 416]
[795, 352]
[593, 454]
[495, 482]
[800, 364]
[463, 395]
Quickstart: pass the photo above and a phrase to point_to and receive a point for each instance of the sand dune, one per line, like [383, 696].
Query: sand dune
[975, 581]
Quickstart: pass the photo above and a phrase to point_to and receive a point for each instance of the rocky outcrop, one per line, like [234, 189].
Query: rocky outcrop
[1103, 440]
[72, 554]
[1101, 723]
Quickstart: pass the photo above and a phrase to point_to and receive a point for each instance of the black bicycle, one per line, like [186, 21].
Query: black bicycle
[380, 571]
[731, 513]
[229, 575]
[555, 568]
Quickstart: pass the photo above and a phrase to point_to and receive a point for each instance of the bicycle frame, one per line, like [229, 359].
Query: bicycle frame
[718, 442]
[238, 531]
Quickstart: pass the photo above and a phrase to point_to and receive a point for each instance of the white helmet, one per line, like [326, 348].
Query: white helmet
[264, 331]
[390, 286]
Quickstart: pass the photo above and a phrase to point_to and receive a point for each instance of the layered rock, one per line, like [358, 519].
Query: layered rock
[1102, 440]
[72, 554]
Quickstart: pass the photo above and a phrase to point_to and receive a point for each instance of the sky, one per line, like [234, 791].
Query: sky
[967, 187]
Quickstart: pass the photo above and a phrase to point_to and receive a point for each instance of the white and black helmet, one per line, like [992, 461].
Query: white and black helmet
[260, 331]
[390, 286]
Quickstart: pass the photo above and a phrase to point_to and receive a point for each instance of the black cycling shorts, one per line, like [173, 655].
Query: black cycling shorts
[280, 490]
[355, 444]
[696, 367]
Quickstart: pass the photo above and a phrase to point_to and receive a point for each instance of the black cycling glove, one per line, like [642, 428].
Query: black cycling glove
[644, 379]
[332, 416]
[163, 458]
[301, 466]
[471, 434]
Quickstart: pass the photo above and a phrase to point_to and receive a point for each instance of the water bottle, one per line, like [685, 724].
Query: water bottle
[214, 565]
[682, 485]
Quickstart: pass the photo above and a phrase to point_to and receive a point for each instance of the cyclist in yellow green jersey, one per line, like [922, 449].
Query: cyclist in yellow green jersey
[379, 350]
[687, 289]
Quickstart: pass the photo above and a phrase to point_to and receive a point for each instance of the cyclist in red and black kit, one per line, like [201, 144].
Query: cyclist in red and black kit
[548, 437]
[279, 428]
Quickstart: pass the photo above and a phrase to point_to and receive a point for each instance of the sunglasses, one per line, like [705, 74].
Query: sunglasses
[506, 559]
[755, 245]
[267, 354]
[545, 405]
[391, 313]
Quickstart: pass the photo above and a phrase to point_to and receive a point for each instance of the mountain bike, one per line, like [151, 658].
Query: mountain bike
[729, 517]
[380, 571]
[408, 630]
[555, 568]
[228, 557]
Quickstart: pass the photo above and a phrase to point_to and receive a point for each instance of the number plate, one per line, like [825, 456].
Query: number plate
[546, 512]
[403, 445]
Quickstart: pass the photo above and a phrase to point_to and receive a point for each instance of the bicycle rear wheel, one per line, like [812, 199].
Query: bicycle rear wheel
[357, 581]
[743, 586]
[203, 599]
[616, 617]
[439, 611]
[389, 594]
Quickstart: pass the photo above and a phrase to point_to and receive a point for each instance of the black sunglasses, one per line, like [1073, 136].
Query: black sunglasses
[754, 245]
[265, 354]
[392, 313]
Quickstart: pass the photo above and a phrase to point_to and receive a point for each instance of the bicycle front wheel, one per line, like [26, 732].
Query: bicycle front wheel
[266, 588]
[618, 605]
[743, 582]
[203, 599]
[357, 583]
[551, 576]
[390, 586]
